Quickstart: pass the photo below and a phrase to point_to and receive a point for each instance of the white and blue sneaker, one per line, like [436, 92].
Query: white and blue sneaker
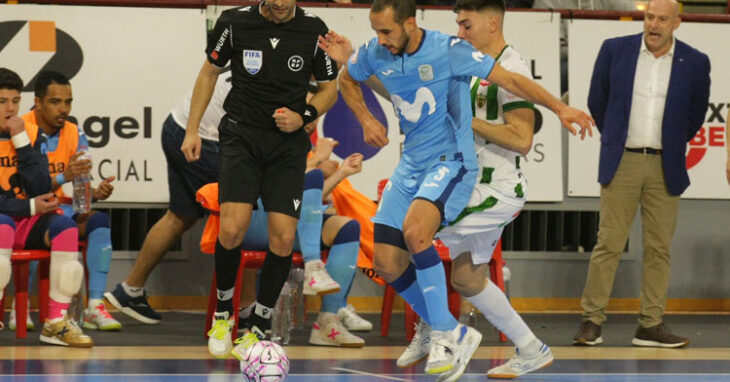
[135, 307]
[468, 340]
[519, 365]
[419, 347]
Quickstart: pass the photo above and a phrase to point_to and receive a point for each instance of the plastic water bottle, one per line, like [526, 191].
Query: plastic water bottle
[281, 320]
[82, 190]
[299, 305]
[506, 276]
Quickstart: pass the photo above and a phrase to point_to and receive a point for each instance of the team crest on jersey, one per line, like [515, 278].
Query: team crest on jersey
[481, 98]
[425, 72]
[253, 60]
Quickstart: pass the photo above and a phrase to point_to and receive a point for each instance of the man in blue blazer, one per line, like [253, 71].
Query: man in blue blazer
[649, 95]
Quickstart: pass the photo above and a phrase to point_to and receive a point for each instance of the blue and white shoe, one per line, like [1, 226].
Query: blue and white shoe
[135, 307]
[519, 365]
[466, 342]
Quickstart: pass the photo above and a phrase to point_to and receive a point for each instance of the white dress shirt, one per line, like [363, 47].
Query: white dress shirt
[650, 95]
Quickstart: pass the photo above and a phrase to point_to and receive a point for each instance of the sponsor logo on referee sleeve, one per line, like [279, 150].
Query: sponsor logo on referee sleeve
[219, 44]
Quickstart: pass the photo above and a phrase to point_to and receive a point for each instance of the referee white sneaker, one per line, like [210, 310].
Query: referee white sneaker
[220, 343]
[317, 281]
[519, 365]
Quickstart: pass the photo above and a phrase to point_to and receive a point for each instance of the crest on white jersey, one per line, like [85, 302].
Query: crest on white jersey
[253, 60]
[425, 72]
[412, 111]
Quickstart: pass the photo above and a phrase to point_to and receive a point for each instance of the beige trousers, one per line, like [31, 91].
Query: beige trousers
[639, 180]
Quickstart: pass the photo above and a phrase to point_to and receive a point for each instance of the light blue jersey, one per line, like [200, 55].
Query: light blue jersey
[429, 90]
[430, 93]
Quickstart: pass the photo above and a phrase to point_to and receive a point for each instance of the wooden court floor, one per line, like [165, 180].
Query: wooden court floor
[371, 363]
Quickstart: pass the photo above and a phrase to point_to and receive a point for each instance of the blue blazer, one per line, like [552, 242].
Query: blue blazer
[609, 101]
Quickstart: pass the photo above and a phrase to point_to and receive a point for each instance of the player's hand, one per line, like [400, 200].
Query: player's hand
[77, 166]
[15, 125]
[324, 148]
[104, 190]
[287, 120]
[311, 126]
[191, 146]
[375, 133]
[46, 203]
[338, 47]
[569, 115]
[352, 164]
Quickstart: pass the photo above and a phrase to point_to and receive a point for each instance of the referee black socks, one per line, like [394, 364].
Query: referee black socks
[274, 273]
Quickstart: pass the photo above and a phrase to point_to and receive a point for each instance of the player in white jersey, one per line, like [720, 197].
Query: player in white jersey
[503, 128]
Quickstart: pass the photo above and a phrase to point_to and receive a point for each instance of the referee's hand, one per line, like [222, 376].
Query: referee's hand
[191, 146]
[287, 120]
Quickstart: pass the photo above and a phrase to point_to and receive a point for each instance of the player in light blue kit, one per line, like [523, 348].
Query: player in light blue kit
[427, 76]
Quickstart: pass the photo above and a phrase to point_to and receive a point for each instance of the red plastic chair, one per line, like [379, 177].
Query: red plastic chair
[20, 261]
[249, 259]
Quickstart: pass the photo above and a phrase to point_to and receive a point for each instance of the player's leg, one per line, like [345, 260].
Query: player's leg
[95, 227]
[239, 183]
[183, 180]
[60, 234]
[342, 236]
[7, 238]
[444, 192]
[317, 280]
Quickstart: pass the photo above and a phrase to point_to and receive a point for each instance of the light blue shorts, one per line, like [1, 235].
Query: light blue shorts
[447, 184]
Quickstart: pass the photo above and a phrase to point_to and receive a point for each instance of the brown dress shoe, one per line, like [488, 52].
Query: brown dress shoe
[658, 336]
[589, 334]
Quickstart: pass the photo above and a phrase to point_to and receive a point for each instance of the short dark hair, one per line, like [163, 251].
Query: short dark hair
[478, 5]
[402, 9]
[10, 80]
[47, 78]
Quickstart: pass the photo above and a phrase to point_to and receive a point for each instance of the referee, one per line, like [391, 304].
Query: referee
[273, 53]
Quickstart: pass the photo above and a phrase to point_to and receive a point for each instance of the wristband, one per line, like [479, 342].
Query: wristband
[60, 179]
[32, 207]
[21, 139]
[310, 114]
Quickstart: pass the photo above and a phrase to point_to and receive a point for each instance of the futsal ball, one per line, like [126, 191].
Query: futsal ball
[264, 361]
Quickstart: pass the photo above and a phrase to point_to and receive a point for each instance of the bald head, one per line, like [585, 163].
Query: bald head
[660, 21]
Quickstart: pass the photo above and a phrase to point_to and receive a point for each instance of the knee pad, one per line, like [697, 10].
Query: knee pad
[388, 235]
[97, 220]
[66, 275]
[348, 233]
[58, 224]
[5, 270]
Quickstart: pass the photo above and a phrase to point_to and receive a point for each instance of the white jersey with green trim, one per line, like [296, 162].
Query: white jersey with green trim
[499, 168]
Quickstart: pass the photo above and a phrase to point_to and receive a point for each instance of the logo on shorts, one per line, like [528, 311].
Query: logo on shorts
[296, 63]
[296, 204]
[253, 60]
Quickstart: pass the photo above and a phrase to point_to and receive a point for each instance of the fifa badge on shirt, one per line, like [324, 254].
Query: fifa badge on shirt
[253, 60]
[425, 71]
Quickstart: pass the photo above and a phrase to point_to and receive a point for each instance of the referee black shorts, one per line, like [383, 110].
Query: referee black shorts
[262, 162]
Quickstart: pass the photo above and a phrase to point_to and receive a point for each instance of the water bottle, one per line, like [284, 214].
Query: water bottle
[82, 190]
[506, 276]
[299, 303]
[468, 314]
[281, 320]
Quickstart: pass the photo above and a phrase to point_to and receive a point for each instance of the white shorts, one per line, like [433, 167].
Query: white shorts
[479, 228]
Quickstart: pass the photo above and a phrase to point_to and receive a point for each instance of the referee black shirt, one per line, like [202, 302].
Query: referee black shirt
[271, 63]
